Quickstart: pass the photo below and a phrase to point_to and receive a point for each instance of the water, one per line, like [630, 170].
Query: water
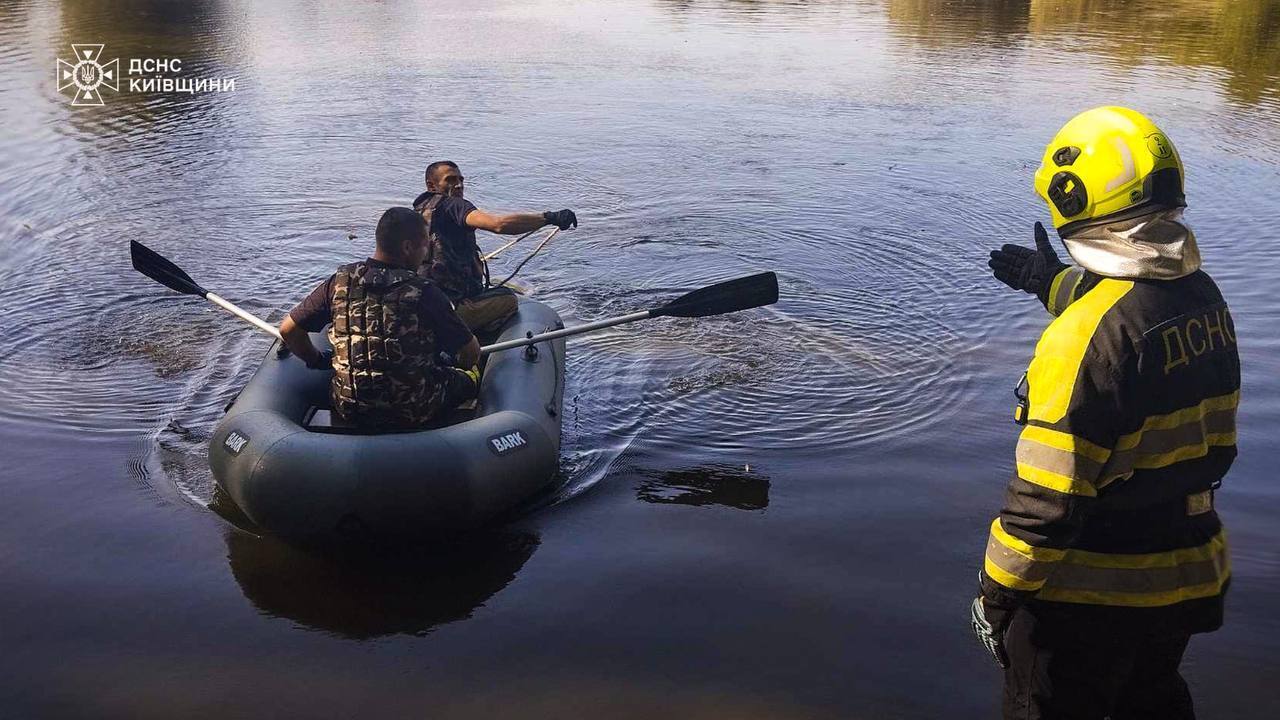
[773, 514]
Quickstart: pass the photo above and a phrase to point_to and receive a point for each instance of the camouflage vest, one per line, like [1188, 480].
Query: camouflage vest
[384, 359]
[455, 269]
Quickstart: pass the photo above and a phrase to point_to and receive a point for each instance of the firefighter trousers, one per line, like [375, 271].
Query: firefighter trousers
[1057, 674]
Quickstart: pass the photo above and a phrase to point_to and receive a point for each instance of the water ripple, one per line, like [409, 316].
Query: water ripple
[839, 153]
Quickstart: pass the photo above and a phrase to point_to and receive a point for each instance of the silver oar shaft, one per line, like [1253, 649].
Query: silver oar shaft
[256, 321]
[566, 332]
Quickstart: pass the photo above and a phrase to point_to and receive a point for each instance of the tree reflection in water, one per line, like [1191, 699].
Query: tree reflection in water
[1240, 37]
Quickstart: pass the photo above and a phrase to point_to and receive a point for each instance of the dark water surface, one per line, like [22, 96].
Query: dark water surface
[774, 514]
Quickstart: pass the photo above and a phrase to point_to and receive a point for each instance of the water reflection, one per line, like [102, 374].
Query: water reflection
[1240, 37]
[204, 36]
[943, 22]
[730, 486]
[870, 151]
[366, 595]
[749, 10]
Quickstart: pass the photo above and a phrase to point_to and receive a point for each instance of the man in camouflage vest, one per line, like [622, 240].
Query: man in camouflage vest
[453, 259]
[389, 328]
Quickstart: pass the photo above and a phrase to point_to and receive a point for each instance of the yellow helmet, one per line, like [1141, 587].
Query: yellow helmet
[1107, 164]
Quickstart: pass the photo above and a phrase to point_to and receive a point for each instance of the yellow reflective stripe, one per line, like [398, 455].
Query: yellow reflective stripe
[1180, 417]
[1015, 563]
[1055, 481]
[1123, 599]
[1055, 308]
[1008, 579]
[1141, 580]
[1060, 462]
[1063, 289]
[1170, 558]
[1185, 434]
[1065, 441]
[1070, 287]
[1053, 372]
[1187, 452]
[1195, 432]
[1039, 554]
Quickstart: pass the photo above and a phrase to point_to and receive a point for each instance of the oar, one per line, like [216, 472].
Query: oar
[151, 264]
[723, 297]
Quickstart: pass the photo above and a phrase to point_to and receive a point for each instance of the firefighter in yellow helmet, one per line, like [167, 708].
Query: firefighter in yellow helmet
[1108, 554]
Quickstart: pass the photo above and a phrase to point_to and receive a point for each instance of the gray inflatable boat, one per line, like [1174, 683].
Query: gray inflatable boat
[284, 460]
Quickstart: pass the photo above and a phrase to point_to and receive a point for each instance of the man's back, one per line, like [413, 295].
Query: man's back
[1133, 394]
[388, 326]
[385, 372]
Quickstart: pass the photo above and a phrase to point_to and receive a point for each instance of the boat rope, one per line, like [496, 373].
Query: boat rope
[531, 255]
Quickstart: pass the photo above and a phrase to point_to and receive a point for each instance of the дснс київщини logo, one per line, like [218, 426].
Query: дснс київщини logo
[86, 74]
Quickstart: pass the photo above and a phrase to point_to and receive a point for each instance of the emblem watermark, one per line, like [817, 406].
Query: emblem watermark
[88, 74]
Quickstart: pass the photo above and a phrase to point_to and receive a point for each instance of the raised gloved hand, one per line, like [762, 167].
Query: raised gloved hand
[561, 218]
[989, 624]
[1022, 268]
[323, 361]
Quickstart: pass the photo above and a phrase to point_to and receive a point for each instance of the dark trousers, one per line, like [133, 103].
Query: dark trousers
[486, 312]
[1057, 674]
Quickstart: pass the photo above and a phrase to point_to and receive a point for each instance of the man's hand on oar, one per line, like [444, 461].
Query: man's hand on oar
[723, 297]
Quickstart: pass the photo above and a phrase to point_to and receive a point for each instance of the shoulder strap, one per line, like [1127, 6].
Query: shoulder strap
[428, 211]
[344, 273]
[427, 208]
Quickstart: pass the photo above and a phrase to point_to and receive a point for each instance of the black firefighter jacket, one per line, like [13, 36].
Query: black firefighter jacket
[1129, 427]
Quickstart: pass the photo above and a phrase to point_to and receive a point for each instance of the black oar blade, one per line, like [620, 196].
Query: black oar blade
[725, 297]
[156, 267]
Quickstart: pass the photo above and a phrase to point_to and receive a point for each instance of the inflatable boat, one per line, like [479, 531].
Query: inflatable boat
[295, 470]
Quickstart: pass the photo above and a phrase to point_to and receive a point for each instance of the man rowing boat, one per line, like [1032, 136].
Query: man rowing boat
[453, 259]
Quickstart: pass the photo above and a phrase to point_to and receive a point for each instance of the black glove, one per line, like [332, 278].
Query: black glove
[324, 361]
[989, 624]
[1022, 268]
[561, 218]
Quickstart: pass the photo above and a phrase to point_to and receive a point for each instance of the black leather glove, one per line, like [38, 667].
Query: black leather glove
[323, 362]
[1022, 268]
[989, 624]
[561, 218]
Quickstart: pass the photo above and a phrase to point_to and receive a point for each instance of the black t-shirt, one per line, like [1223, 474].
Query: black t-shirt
[316, 310]
[454, 265]
[449, 220]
